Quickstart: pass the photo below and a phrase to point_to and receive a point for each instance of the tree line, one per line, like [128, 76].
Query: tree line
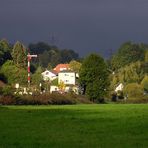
[97, 77]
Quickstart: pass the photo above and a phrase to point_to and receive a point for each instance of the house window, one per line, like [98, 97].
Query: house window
[66, 74]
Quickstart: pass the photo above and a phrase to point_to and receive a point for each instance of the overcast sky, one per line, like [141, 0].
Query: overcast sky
[82, 25]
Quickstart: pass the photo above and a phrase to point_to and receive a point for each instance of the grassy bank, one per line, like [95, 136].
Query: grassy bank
[74, 126]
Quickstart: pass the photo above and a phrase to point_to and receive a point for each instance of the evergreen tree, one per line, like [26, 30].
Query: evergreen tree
[19, 55]
[5, 50]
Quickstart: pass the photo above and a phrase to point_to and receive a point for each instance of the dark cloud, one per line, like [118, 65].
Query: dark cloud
[82, 25]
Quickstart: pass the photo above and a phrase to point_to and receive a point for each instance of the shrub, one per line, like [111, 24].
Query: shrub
[133, 90]
[7, 100]
[42, 99]
[7, 90]
[144, 83]
[46, 99]
[138, 100]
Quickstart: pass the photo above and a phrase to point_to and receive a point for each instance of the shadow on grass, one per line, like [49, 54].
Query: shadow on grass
[73, 126]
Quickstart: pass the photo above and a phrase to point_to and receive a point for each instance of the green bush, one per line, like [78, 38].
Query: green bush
[133, 90]
[144, 83]
[7, 91]
[137, 100]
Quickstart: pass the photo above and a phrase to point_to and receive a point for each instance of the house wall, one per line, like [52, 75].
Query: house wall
[68, 78]
[53, 88]
[47, 75]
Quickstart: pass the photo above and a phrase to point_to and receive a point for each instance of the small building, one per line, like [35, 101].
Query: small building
[49, 75]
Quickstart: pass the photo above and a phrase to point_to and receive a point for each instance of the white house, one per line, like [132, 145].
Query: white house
[119, 87]
[49, 75]
[68, 77]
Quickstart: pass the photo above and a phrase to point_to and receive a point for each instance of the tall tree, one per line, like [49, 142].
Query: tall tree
[132, 73]
[5, 51]
[128, 53]
[19, 55]
[94, 77]
[14, 74]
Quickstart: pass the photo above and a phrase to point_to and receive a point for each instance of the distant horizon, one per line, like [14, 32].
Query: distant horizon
[106, 54]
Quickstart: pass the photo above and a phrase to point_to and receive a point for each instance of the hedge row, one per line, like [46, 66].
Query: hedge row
[44, 99]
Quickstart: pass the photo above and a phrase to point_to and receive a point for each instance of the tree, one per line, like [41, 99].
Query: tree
[128, 53]
[94, 77]
[19, 55]
[37, 77]
[132, 73]
[133, 90]
[61, 86]
[40, 47]
[75, 66]
[52, 54]
[44, 58]
[5, 51]
[68, 55]
[146, 56]
[14, 74]
[144, 83]
[55, 57]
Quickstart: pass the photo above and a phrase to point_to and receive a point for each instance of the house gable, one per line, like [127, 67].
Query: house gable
[48, 75]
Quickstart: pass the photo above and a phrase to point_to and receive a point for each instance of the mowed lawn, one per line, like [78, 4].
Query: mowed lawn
[101, 126]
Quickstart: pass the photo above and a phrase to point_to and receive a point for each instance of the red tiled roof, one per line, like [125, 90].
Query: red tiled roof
[61, 66]
[55, 72]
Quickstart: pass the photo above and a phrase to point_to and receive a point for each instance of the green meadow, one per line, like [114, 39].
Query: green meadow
[92, 126]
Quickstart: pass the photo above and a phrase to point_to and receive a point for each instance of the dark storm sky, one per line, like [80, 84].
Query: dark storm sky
[82, 25]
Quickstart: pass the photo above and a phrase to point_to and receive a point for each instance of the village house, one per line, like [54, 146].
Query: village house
[63, 74]
[49, 75]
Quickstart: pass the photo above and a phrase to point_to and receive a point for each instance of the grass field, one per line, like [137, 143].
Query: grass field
[101, 126]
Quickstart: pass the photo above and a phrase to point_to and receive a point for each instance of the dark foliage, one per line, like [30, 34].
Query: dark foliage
[51, 54]
[94, 77]
[44, 99]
